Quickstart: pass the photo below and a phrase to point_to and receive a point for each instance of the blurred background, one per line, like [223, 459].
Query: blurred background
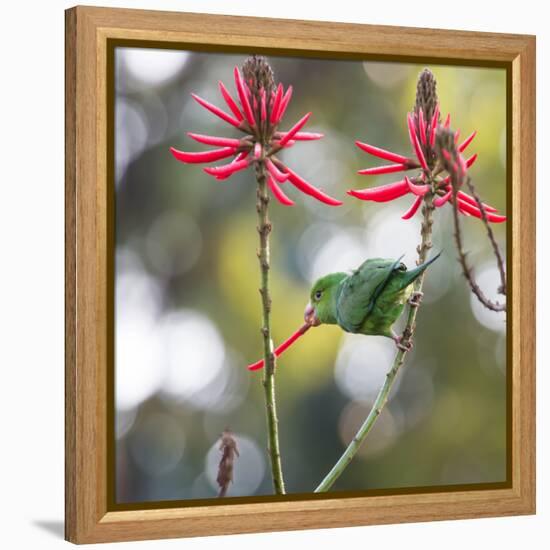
[188, 309]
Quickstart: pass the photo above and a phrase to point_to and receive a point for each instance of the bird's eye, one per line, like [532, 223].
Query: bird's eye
[318, 295]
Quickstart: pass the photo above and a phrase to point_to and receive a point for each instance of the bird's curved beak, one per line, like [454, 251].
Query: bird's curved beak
[310, 317]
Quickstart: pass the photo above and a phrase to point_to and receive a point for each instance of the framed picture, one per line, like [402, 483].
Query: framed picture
[300, 274]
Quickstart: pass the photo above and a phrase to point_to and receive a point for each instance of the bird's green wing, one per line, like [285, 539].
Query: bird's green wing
[359, 291]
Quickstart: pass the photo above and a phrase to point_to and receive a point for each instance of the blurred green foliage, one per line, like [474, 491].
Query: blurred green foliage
[187, 243]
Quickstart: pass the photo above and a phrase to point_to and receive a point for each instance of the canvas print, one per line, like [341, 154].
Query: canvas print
[310, 276]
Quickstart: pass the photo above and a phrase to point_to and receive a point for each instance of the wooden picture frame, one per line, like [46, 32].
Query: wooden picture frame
[89, 33]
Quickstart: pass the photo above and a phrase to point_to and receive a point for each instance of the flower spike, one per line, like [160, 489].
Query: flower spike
[433, 156]
[257, 110]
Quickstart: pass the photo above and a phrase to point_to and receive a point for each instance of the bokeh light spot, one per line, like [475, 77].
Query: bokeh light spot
[488, 279]
[362, 364]
[158, 445]
[151, 66]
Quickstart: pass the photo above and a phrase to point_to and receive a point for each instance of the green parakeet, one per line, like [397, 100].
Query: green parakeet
[367, 301]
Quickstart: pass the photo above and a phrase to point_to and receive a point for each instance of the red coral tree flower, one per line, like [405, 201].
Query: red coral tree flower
[257, 112]
[422, 126]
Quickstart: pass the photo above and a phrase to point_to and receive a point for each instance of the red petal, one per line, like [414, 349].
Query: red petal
[216, 110]
[447, 121]
[471, 160]
[383, 154]
[387, 169]
[413, 209]
[243, 97]
[418, 190]
[213, 140]
[309, 189]
[275, 172]
[382, 193]
[263, 106]
[433, 125]
[422, 127]
[303, 136]
[467, 198]
[284, 346]
[284, 104]
[440, 201]
[276, 104]
[415, 143]
[278, 192]
[467, 141]
[230, 101]
[227, 169]
[203, 156]
[242, 155]
[474, 211]
[295, 129]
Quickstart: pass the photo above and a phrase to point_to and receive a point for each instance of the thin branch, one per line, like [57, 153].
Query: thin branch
[451, 159]
[491, 236]
[466, 269]
[406, 340]
[264, 229]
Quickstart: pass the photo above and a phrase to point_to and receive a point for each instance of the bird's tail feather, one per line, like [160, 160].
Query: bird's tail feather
[413, 274]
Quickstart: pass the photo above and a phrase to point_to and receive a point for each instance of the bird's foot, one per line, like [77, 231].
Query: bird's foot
[416, 298]
[402, 343]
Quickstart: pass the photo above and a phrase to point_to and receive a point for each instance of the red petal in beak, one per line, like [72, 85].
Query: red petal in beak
[285, 345]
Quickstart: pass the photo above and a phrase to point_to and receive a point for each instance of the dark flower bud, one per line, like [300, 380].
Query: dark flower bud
[258, 75]
[426, 95]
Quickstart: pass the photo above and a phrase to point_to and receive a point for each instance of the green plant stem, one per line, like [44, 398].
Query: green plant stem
[264, 229]
[382, 397]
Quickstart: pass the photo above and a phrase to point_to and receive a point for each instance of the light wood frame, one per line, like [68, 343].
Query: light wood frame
[88, 517]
